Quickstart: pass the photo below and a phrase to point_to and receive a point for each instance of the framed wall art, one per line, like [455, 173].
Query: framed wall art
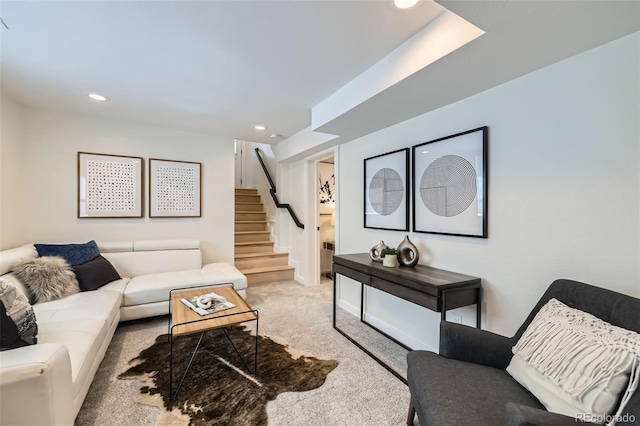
[450, 185]
[174, 188]
[386, 191]
[326, 187]
[109, 186]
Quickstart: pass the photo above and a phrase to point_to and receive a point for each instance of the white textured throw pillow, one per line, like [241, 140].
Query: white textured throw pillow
[576, 364]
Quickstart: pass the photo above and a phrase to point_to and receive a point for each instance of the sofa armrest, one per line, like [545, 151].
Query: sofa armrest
[519, 415]
[36, 387]
[469, 344]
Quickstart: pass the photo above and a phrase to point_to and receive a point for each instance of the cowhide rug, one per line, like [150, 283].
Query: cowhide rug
[217, 389]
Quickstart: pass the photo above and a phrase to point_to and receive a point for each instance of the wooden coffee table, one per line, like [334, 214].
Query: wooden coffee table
[184, 321]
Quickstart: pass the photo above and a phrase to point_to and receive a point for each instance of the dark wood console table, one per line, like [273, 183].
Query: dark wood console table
[432, 288]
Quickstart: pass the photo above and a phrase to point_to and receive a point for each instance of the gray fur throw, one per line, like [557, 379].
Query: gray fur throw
[48, 278]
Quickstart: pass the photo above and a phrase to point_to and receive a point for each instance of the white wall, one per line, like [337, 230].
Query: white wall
[292, 185]
[11, 120]
[254, 177]
[564, 190]
[49, 178]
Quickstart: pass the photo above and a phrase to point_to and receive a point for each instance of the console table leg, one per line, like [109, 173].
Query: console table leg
[443, 312]
[335, 299]
[478, 308]
[361, 302]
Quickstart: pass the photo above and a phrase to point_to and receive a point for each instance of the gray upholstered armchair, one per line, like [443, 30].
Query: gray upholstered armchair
[467, 384]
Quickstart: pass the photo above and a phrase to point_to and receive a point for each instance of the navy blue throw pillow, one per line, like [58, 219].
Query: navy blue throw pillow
[74, 254]
[95, 273]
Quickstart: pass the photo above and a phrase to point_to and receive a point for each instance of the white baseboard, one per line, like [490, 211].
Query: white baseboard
[300, 279]
[353, 310]
[297, 275]
[271, 227]
[397, 334]
[281, 249]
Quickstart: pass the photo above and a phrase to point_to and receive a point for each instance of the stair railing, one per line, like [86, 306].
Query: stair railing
[272, 191]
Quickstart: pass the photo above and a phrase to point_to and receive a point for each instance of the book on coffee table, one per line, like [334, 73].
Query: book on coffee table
[209, 304]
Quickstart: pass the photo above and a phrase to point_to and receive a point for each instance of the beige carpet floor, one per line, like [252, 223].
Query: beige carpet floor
[358, 392]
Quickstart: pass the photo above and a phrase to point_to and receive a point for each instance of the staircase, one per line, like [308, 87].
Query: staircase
[254, 255]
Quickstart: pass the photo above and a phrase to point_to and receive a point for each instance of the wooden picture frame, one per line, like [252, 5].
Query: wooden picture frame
[110, 186]
[450, 185]
[175, 188]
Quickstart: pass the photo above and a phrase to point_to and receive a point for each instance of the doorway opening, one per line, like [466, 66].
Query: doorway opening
[327, 214]
[238, 151]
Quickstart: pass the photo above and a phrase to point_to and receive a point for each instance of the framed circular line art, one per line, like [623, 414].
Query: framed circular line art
[386, 191]
[450, 185]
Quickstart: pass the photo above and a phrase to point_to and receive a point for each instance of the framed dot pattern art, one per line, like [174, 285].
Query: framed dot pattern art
[174, 188]
[109, 186]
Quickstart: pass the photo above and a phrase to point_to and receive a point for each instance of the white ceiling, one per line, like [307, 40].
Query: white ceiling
[520, 37]
[223, 66]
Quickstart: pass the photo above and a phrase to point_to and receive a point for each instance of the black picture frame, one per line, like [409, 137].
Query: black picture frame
[386, 191]
[450, 185]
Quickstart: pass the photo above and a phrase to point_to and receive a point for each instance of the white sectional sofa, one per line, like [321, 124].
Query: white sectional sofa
[46, 383]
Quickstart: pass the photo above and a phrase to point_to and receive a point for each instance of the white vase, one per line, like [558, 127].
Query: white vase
[390, 261]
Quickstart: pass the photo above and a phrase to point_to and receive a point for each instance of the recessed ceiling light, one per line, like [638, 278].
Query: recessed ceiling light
[98, 97]
[260, 127]
[275, 135]
[405, 4]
